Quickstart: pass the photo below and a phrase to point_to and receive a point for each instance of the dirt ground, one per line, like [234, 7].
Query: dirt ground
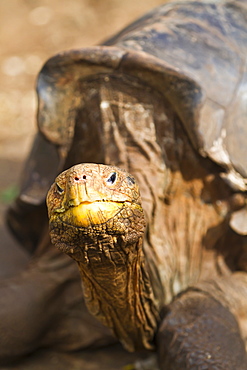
[30, 32]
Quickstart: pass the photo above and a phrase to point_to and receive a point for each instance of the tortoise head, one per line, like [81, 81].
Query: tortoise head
[96, 217]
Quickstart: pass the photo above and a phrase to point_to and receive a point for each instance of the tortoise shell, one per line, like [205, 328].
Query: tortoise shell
[193, 53]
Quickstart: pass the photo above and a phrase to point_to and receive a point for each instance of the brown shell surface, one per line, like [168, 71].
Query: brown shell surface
[194, 53]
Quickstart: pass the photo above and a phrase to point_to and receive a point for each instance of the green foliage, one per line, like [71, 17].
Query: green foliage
[9, 194]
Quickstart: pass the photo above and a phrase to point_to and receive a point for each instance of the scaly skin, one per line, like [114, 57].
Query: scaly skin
[96, 217]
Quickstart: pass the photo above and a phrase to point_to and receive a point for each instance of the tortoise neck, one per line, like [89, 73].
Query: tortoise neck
[118, 291]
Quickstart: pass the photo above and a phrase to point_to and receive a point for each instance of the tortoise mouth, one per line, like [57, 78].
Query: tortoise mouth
[88, 213]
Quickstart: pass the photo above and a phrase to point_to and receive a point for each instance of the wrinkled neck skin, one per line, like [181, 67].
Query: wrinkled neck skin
[179, 191]
[117, 290]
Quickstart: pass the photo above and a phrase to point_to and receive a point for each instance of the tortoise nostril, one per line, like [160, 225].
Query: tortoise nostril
[76, 178]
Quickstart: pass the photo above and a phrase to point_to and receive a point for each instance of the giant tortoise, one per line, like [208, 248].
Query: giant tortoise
[164, 100]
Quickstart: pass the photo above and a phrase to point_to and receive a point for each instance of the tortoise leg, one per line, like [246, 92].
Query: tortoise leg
[42, 307]
[200, 332]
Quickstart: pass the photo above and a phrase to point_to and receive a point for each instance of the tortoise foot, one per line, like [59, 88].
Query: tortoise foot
[198, 332]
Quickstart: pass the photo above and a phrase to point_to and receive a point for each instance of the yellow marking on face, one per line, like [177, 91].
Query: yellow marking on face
[87, 213]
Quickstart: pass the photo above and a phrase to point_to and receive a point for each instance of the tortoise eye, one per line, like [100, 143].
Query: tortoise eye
[112, 178]
[130, 180]
[59, 189]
